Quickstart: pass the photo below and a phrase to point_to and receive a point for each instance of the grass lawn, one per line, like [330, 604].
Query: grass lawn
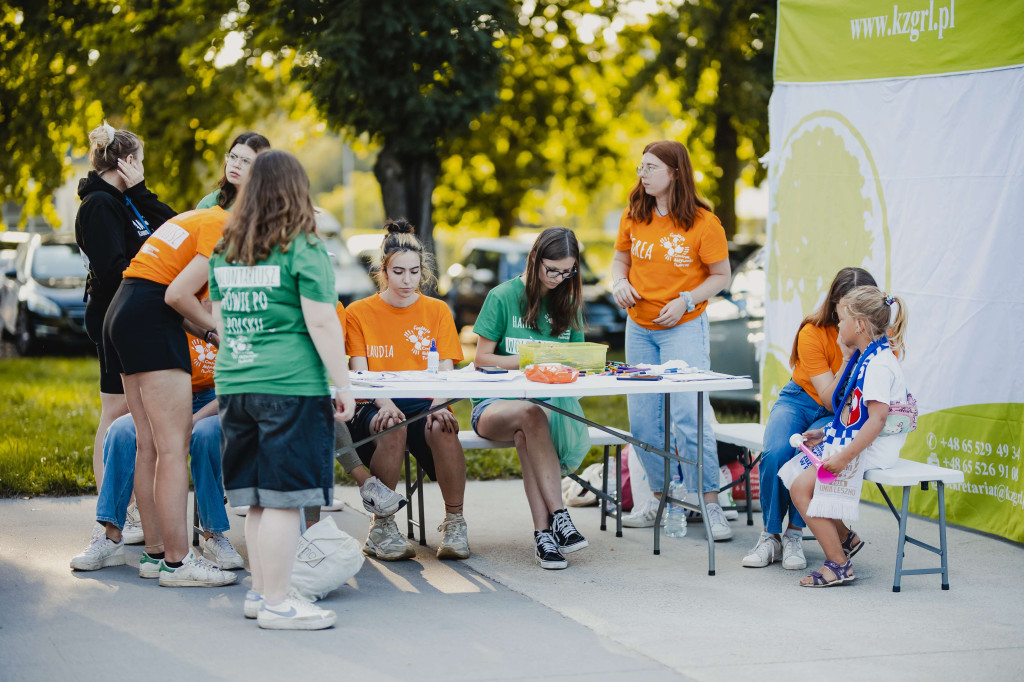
[50, 408]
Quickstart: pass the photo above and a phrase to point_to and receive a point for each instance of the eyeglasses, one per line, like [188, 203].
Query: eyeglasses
[649, 170]
[559, 274]
[242, 161]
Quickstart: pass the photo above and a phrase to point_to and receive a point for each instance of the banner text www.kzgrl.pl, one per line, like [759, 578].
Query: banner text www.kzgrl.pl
[911, 23]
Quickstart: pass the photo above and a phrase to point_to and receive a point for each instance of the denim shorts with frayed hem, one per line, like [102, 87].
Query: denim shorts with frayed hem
[277, 450]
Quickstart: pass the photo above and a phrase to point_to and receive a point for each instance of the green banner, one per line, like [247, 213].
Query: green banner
[820, 41]
[985, 443]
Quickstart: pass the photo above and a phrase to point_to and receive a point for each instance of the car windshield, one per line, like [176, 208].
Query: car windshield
[57, 261]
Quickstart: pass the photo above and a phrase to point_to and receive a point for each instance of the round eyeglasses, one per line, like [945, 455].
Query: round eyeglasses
[649, 170]
[231, 157]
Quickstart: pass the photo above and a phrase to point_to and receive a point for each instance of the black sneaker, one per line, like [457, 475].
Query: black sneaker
[548, 555]
[566, 536]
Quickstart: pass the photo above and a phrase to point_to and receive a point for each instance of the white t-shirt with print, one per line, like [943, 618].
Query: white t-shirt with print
[884, 383]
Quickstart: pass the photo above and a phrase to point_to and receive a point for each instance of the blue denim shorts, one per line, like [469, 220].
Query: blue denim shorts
[277, 450]
[478, 410]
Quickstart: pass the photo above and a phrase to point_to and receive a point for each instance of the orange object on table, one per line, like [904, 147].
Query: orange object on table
[552, 373]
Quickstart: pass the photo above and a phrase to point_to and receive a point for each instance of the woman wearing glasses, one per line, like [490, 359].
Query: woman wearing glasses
[671, 256]
[237, 164]
[543, 304]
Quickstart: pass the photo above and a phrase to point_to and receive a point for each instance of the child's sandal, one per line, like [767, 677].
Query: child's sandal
[840, 575]
[849, 548]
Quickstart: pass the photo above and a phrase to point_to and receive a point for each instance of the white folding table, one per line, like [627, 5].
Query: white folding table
[453, 388]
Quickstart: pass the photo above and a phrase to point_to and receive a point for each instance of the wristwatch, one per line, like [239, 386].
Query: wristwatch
[688, 297]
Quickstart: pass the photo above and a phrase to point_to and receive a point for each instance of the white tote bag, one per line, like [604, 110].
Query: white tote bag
[327, 557]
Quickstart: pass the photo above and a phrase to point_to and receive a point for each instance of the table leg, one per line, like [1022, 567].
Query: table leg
[668, 479]
[700, 483]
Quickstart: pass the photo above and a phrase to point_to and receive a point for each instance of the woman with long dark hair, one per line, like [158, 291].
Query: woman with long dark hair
[671, 256]
[272, 285]
[543, 304]
[804, 404]
[237, 164]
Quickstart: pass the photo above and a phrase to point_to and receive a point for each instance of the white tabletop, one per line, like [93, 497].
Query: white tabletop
[450, 385]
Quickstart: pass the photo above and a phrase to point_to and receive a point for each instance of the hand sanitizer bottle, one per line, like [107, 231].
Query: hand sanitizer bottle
[433, 360]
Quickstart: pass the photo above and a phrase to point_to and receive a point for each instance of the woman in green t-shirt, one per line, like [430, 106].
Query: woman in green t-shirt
[237, 164]
[272, 288]
[542, 304]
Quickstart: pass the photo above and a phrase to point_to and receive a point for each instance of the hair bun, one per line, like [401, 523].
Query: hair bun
[400, 226]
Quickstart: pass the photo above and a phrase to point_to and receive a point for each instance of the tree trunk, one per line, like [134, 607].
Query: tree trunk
[726, 145]
[407, 187]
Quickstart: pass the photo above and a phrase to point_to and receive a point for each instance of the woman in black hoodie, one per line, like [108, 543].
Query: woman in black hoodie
[117, 214]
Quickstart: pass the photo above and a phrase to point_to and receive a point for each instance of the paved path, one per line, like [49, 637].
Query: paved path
[613, 615]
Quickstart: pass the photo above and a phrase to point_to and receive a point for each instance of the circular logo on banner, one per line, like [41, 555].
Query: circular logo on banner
[828, 212]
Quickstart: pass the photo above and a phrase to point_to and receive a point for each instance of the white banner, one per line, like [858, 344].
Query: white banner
[921, 182]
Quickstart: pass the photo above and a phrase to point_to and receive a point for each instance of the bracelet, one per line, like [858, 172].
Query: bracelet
[209, 332]
[620, 279]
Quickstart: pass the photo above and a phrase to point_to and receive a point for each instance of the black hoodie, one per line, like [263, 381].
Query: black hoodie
[110, 233]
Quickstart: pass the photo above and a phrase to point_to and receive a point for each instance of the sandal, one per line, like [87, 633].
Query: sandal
[840, 574]
[849, 548]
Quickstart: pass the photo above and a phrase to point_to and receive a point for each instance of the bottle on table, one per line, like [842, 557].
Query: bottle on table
[433, 359]
[675, 524]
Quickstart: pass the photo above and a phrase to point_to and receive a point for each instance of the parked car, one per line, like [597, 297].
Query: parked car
[42, 302]
[489, 262]
[350, 278]
[736, 318]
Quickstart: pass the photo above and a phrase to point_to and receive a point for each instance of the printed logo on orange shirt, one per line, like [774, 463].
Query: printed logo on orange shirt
[641, 249]
[676, 250]
[419, 337]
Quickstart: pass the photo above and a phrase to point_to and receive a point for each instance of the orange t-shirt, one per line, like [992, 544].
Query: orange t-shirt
[203, 357]
[341, 315]
[176, 243]
[818, 351]
[666, 260]
[398, 339]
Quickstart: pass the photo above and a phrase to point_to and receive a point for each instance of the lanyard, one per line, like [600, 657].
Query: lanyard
[143, 221]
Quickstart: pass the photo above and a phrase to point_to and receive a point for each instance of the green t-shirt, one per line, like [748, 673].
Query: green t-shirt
[266, 347]
[210, 200]
[500, 321]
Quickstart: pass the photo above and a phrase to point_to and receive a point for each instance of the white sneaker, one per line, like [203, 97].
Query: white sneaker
[294, 613]
[793, 558]
[720, 529]
[218, 549]
[253, 601]
[455, 543]
[767, 551]
[132, 534]
[643, 516]
[148, 566]
[379, 499]
[101, 553]
[194, 572]
[386, 542]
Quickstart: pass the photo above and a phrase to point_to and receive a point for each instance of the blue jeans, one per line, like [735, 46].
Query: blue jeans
[794, 412]
[691, 343]
[119, 469]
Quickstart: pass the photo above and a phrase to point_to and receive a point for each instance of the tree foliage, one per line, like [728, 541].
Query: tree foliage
[144, 65]
[409, 74]
[721, 53]
[553, 117]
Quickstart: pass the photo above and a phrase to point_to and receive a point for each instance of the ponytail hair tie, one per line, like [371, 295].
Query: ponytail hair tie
[889, 300]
